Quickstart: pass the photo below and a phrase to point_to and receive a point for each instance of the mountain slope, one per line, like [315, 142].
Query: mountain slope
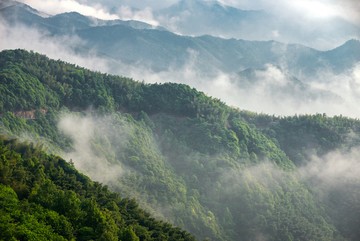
[44, 198]
[187, 158]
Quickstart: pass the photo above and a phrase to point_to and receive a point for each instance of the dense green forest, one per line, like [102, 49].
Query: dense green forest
[45, 198]
[189, 159]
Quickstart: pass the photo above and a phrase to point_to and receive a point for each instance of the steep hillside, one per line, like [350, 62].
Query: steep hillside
[42, 197]
[218, 172]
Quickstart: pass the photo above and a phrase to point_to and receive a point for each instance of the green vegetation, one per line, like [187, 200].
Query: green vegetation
[306, 135]
[187, 158]
[43, 197]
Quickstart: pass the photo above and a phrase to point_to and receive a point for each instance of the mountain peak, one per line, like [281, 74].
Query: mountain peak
[15, 4]
[350, 45]
[352, 42]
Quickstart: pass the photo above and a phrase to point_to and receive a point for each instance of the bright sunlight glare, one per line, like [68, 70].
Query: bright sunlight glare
[315, 9]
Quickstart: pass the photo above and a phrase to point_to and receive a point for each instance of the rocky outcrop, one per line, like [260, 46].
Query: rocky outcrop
[27, 114]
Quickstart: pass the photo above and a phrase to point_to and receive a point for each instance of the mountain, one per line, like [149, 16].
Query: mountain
[344, 55]
[13, 6]
[14, 12]
[160, 50]
[218, 172]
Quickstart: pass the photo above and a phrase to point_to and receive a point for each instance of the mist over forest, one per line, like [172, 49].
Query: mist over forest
[243, 126]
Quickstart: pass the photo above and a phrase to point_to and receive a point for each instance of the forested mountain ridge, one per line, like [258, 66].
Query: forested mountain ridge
[218, 172]
[55, 84]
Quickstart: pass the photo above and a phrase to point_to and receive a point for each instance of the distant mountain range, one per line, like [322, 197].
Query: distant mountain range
[136, 42]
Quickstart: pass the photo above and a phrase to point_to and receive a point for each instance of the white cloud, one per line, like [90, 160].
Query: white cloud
[144, 15]
[276, 34]
[332, 171]
[95, 140]
[60, 6]
[23, 37]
